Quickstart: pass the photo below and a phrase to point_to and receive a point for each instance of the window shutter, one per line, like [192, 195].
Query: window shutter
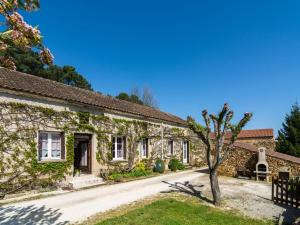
[63, 146]
[147, 147]
[113, 146]
[188, 151]
[40, 146]
[124, 147]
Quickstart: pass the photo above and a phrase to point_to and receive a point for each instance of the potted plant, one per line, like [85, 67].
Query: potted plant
[77, 172]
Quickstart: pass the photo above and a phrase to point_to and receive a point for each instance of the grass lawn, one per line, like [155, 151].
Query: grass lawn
[172, 212]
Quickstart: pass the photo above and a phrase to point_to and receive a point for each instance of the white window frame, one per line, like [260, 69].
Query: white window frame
[142, 150]
[171, 151]
[115, 148]
[49, 145]
[185, 143]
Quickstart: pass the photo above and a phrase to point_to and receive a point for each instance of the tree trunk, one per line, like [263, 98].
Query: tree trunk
[215, 189]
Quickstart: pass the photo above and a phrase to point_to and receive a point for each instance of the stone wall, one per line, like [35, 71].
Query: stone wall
[246, 155]
[266, 142]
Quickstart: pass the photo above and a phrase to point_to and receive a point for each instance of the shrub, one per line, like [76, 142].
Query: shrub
[138, 171]
[159, 166]
[175, 165]
[140, 167]
[181, 166]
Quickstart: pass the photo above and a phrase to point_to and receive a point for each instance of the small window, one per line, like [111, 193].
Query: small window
[144, 148]
[118, 147]
[170, 147]
[50, 145]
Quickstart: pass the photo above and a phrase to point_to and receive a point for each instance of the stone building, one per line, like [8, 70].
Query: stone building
[49, 131]
[59, 129]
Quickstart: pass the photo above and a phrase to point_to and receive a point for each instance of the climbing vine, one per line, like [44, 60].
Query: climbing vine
[19, 127]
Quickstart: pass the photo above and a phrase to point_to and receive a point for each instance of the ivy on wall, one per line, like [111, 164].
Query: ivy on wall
[19, 126]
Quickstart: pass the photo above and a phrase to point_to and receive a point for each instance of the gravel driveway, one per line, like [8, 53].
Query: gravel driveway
[249, 197]
[77, 206]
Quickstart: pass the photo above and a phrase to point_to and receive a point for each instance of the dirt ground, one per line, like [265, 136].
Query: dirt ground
[251, 198]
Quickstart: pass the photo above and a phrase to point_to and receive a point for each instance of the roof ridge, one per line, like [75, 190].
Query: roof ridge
[129, 107]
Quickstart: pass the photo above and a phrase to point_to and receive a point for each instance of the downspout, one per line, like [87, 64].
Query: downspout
[162, 141]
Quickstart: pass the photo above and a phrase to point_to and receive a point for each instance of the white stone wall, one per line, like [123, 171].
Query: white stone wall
[58, 105]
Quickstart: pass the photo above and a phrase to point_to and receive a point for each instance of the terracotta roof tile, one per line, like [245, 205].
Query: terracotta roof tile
[257, 133]
[39, 86]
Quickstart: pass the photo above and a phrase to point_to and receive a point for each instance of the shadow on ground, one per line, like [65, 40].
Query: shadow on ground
[290, 214]
[187, 188]
[29, 215]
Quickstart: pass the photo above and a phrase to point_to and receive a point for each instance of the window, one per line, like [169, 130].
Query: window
[144, 148]
[170, 147]
[185, 152]
[118, 147]
[50, 145]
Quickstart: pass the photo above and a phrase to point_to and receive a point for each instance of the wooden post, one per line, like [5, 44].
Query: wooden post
[292, 193]
[281, 191]
[277, 183]
[287, 191]
[273, 189]
[297, 191]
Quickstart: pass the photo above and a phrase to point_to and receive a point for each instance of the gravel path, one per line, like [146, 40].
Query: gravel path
[248, 197]
[78, 206]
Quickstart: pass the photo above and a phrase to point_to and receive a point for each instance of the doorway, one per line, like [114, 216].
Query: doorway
[82, 153]
[185, 152]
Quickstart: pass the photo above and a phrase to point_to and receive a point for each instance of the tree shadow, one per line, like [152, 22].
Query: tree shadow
[29, 215]
[187, 188]
[290, 214]
[203, 170]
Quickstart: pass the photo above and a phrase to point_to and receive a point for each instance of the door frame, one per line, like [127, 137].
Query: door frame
[87, 169]
[185, 160]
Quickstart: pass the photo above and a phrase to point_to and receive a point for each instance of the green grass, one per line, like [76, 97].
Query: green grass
[173, 212]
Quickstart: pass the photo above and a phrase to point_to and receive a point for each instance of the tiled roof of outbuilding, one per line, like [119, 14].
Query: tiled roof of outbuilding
[17, 81]
[256, 133]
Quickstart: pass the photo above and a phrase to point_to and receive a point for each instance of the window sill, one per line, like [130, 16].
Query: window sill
[51, 160]
[118, 160]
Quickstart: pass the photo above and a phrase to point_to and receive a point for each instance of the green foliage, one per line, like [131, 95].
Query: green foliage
[288, 141]
[294, 188]
[16, 33]
[184, 212]
[28, 61]
[140, 167]
[130, 98]
[175, 165]
[159, 166]
[84, 117]
[55, 170]
[19, 126]
[138, 171]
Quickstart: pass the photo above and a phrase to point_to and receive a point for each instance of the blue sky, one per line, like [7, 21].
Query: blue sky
[193, 55]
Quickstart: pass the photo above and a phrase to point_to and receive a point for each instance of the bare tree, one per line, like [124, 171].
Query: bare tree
[148, 98]
[217, 150]
[136, 91]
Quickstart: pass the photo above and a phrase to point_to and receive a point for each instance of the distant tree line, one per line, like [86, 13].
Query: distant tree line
[143, 98]
[28, 61]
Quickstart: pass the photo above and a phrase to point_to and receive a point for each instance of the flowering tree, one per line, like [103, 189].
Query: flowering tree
[216, 149]
[18, 33]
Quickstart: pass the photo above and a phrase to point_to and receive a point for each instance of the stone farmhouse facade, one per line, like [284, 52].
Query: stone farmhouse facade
[49, 130]
[59, 129]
